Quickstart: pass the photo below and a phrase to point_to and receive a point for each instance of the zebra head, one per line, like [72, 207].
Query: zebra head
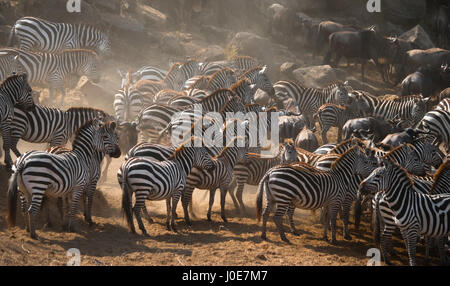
[263, 82]
[431, 155]
[288, 152]
[202, 159]
[90, 67]
[419, 109]
[412, 161]
[365, 161]
[382, 178]
[19, 90]
[107, 138]
[339, 94]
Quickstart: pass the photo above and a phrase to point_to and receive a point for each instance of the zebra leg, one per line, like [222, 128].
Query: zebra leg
[345, 217]
[339, 136]
[186, 199]
[278, 219]
[428, 242]
[411, 237]
[223, 194]
[240, 190]
[77, 194]
[24, 204]
[168, 212]
[265, 216]
[325, 221]
[290, 213]
[175, 198]
[33, 212]
[146, 214]
[6, 136]
[231, 191]
[212, 194]
[442, 253]
[88, 207]
[138, 205]
[324, 135]
[357, 212]
[386, 244]
[333, 216]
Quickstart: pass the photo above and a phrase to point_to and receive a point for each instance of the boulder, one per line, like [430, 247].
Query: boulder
[418, 38]
[4, 34]
[125, 25]
[404, 11]
[246, 43]
[171, 44]
[215, 34]
[108, 5]
[211, 53]
[318, 76]
[287, 68]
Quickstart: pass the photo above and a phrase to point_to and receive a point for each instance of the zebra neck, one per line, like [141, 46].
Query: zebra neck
[229, 156]
[343, 167]
[400, 192]
[83, 146]
[185, 158]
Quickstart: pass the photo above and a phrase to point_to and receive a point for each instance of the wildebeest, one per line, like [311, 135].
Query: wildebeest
[325, 29]
[284, 24]
[289, 126]
[394, 51]
[426, 80]
[307, 140]
[399, 138]
[362, 46]
[377, 126]
[433, 57]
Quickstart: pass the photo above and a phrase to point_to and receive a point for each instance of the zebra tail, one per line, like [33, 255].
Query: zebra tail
[12, 199]
[263, 186]
[126, 200]
[377, 222]
[11, 36]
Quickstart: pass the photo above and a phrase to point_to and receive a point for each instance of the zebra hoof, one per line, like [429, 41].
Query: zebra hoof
[145, 234]
[348, 237]
[296, 233]
[285, 240]
[263, 236]
[34, 236]
[224, 219]
[188, 223]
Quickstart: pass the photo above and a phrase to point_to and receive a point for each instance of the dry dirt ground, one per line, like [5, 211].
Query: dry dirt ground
[237, 242]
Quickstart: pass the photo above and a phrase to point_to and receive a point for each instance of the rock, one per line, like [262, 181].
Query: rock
[418, 38]
[122, 24]
[318, 76]
[171, 44]
[262, 98]
[261, 257]
[3, 20]
[95, 94]
[311, 5]
[404, 11]
[151, 17]
[287, 68]
[250, 44]
[356, 84]
[211, 53]
[215, 34]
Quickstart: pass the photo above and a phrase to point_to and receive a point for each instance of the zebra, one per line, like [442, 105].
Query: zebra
[41, 35]
[40, 173]
[50, 125]
[220, 177]
[444, 105]
[415, 214]
[14, 91]
[242, 64]
[407, 108]
[221, 79]
[330, 115]
[153, 180]
[52, 69]
[182, 101]
[258, 76]
[384, 218]
[255, 168]
[300, 185]
[308, 100]
[144, 73]
[436, 123]
[127, 104]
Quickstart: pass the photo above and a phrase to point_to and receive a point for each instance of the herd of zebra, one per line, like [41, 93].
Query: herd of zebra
[405, 183]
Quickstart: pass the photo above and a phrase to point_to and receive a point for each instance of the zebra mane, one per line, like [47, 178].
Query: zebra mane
[289, 141]
[239, 83]
[213, 77]
[304, 167]
[345, 155]
[86, 109]
[195, 84]
[358, 141]
[252, 70]
[12, 77]
[143, 82]
[396, 149]
[231, 144]
[439, 174]
[213, 94]
[405, 98]
[174, 66]
[333, 105]
[232, 99]
[410, 177]
[182, 146]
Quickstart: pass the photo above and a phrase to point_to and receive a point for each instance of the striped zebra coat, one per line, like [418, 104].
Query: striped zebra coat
[14, 91]
[50, 125]
[41, 35]
[308, 100]
[38, 174]
[50, 69]
[306, 187]
[436, 123]
[153, 180]
[416, 214]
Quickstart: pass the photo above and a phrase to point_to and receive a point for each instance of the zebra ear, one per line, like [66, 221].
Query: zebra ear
[263, 70]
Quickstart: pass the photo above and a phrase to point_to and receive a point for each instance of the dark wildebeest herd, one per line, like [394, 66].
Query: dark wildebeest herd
[391, 154]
